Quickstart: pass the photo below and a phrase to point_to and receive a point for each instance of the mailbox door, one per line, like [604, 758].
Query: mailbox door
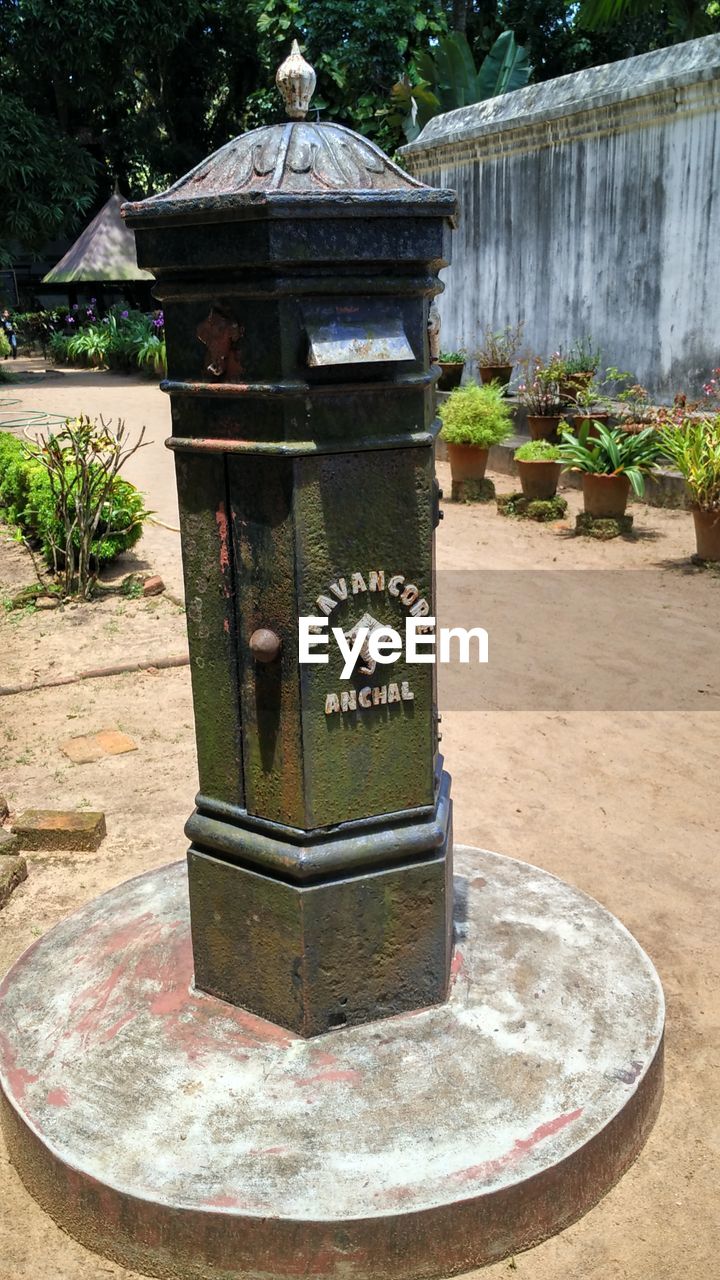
[347, 536]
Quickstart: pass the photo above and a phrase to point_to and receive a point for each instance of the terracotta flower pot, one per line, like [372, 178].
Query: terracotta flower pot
[707, 533]
[539, 479]
[501, 373]
[452, 372]
[579, 420]
[605, 497]
[544, 427]
[467, 461]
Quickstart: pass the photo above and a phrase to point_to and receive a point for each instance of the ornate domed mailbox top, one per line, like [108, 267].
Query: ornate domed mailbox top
[299, 158]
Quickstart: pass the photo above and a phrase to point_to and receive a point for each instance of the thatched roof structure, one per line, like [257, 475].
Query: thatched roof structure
[105, 251]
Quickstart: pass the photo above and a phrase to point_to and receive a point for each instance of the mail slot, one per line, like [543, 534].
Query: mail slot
[364, 333]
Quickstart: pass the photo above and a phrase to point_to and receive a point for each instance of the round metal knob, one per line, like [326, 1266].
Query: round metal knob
[265, 645]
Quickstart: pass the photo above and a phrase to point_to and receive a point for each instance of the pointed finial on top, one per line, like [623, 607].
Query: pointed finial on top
[296, 81]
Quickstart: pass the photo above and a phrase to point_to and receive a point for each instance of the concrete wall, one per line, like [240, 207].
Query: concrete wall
[591, 205]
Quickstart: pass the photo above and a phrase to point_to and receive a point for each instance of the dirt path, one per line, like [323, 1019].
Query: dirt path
[588, 747]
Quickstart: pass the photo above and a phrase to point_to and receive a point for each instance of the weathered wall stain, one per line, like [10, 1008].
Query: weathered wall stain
[587, 207]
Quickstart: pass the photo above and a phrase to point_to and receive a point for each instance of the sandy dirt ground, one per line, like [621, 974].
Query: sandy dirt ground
[590, 748]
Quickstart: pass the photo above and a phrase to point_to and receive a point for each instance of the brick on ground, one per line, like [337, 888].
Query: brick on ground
[12, 873]
[93, 746]
[50, 829]
[114, 743]
[9, 843]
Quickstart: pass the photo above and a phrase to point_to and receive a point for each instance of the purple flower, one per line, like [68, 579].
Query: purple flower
[69, 320]
[75, 306]
[124, 315]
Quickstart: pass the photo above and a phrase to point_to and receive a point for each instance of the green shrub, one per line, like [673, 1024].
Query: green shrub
[90, 346]
[452, 357]
[58, 348]
[693, 445]
[27, 499]
[537, 451]
[119, 529]
[152, 356]
[123, 340]
[4, 346]
[14, 478]
[35, 328]
[476, 415]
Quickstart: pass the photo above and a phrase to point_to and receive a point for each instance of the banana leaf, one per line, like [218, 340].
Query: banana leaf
[417, 103]
[505, 68]
[447, 78]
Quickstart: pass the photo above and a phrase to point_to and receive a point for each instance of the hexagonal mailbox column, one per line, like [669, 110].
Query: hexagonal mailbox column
[296, 267]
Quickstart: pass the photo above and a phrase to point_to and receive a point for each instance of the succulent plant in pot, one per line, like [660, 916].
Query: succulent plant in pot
[612, 463]
[498, 353]
[538, 468]
[452, 364]
[474, 418]
[539, 391]
[693, 446]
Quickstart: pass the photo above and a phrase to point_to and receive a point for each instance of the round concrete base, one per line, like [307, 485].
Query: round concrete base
[184, 1137]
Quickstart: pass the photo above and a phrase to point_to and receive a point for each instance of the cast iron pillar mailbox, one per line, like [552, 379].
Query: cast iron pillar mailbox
[296, 267]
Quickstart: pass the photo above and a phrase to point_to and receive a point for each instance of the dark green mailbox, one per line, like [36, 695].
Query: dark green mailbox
[296, 267]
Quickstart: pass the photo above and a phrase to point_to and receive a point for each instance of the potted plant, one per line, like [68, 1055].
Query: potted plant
[497, 355]
[474, 418]
[693, 446]
[538, 468]
[611, 464]
[638, 412]
[540, 393]
[579, 367]
[592, 400]
[452, 364]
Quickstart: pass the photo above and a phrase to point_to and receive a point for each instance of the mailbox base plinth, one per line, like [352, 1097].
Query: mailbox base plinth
[357, 941]
[317, 957]
[184, 1137]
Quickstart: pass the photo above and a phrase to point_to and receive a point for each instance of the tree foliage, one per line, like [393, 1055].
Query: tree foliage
[558, 40]
[139, 92]
[446, 78]
[686, 19]
[46, 177]
[358, 51]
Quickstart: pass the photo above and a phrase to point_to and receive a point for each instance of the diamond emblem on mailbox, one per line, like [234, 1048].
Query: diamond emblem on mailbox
[368, 663]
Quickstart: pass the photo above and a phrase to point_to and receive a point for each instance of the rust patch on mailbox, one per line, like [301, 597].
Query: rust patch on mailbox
[221, 334]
